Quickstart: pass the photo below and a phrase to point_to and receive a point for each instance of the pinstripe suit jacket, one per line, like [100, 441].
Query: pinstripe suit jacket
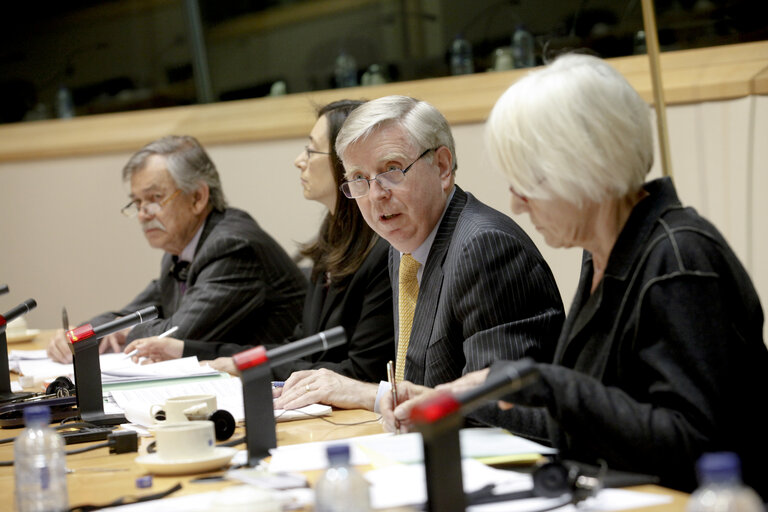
[486, 293]
[241, 287]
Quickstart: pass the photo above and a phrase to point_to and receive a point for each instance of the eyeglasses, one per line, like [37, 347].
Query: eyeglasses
[311, 152]
[150, 207]
[360, 186]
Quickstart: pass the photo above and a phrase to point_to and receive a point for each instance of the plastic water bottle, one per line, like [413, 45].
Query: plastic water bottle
[65, 106]
[345, 71]
[341, 488]
[720, 486]
[522, 48]
[461, 56]
[40, 465]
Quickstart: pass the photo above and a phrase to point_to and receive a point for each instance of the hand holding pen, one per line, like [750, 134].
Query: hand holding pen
[148, 343]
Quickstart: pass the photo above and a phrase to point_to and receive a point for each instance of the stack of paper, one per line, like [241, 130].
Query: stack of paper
[115, 368]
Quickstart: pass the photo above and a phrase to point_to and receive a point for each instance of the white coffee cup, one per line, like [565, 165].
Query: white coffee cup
[16, 327]
[179, 409]
[192, 440]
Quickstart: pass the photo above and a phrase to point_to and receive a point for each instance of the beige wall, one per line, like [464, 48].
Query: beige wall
[64, 242]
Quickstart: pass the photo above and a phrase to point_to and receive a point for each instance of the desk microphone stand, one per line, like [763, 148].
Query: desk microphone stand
[6, 395]
[439, 421]
[84, 344]
[255, 367]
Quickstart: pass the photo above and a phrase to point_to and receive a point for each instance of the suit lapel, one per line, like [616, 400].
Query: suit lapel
[431, 285]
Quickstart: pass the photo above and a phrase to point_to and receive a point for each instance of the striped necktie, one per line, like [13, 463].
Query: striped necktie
[408, 292]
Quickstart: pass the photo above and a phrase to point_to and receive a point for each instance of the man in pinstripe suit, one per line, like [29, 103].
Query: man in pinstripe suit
[484, 291]
[222, 277]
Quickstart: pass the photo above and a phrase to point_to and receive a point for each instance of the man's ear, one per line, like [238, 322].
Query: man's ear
[200, 198]
[444, 161]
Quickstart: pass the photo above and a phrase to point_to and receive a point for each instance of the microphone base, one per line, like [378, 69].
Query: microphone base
[10, 396]
[99, 418]
[260, 434]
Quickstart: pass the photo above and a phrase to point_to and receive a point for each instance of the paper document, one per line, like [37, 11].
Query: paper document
[136, 403]
[115, 368]
[385, 449]
[399, 486]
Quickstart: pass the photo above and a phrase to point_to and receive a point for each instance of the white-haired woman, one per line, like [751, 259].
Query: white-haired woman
[662, 352]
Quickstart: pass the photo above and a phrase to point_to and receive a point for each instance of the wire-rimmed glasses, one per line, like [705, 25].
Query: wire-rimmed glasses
[152, 208]
[359, 187]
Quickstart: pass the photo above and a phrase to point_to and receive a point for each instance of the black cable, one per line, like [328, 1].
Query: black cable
[126, 500]
[321, 417]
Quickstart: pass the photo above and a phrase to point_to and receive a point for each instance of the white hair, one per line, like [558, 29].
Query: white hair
[425, 125]
[576, 130]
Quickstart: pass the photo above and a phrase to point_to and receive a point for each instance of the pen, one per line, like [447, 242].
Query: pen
[278, 383]
[163, 335]
[64, 319]
[393, 386]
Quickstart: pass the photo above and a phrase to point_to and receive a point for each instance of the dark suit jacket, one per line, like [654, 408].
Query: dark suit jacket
[486, 293]
[241, 286]
[363, 307]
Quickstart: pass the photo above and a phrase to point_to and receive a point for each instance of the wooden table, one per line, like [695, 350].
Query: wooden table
[100, 478]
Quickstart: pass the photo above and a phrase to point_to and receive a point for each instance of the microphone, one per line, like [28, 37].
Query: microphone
[512, 377]
[290, 351]
[3, 289]
[88, 331]
[13, 313]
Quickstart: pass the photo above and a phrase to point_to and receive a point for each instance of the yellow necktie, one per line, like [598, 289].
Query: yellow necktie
[408, 292]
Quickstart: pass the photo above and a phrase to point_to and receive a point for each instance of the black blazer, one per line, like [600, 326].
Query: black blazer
[241, 286]
[363, 308]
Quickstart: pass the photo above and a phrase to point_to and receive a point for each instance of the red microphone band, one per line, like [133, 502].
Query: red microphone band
[2, 321]
[80, 333]
[435, 408]
[250, 358]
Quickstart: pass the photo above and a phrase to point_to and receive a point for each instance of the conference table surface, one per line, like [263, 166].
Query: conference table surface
[98, 478]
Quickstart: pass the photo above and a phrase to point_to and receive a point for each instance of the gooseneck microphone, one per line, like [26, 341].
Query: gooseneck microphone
[5, 375]
[439, 420]
[255, 367]
[88, 331]
[291, 351]
[84, 344]
[13, 313]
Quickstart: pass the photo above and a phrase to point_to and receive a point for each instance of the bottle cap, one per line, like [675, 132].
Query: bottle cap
[144, 482]
[337, 454]
[718, 466]
[37, 413]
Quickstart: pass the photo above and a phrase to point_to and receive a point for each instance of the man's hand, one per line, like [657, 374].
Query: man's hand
[409, 395]
[223, 364]
[326, 387]
[155, 349]
[113, 342]
[58, 348]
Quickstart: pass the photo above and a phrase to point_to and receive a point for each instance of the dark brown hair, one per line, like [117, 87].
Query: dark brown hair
[345, 239]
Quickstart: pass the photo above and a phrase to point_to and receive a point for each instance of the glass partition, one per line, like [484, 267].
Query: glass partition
[84, 57]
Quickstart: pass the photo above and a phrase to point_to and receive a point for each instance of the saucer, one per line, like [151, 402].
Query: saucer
[18, 337]
[154, 464]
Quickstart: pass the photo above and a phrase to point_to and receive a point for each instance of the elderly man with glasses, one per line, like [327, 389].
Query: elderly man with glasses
[222, 277]
[469, 285]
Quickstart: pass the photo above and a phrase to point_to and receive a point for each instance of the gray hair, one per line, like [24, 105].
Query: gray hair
[423, 123]
[576, 130]
[186, 161]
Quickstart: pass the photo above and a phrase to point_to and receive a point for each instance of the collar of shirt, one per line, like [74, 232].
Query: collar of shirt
[422, 252]
[188, 254]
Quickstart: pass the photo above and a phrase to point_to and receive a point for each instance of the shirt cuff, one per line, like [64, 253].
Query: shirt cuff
[384, 387]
